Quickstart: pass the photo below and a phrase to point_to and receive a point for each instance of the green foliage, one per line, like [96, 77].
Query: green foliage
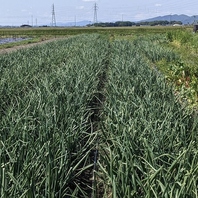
[45, 134]
[180, 35]
[146, 136]
[10, 45]
[129, 23]
[149, 140]
[183, 71]
[153, 48]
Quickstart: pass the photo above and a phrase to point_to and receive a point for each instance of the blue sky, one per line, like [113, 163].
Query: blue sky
[19, 12]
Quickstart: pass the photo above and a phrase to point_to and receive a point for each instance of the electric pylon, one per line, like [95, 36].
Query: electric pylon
[53, 16]
[95, 13]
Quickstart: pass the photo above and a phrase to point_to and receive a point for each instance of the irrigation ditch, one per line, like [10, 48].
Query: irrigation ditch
[12, 40]
[25, 46]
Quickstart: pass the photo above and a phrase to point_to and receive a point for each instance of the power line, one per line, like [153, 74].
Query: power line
[135, 12]
[53, 16]
[32, 21]
[95, 13]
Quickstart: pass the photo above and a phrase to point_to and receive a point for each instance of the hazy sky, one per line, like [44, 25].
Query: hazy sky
[19, 12]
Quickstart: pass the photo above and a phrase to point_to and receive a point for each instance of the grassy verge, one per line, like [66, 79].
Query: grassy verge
[18, 43]
[31, 40]
[173, 53]
[183, 72]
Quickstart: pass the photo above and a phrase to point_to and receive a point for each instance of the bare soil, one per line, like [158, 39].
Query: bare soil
[24, 46]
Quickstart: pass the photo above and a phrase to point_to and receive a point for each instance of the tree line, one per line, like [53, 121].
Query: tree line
[129, 23]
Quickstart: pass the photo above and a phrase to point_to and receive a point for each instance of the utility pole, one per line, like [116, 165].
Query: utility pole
[95, 13]
[32, 21]
[170, 19]
[194, 20]
[53, 16]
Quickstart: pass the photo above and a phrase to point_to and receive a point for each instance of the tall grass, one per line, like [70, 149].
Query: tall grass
[184, 71]
[153, 48]
[46, 133]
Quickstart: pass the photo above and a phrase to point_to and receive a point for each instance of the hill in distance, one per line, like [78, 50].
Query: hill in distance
[183, 18]
[72, 24]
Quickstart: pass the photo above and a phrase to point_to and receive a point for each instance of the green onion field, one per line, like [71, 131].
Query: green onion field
[100, 114]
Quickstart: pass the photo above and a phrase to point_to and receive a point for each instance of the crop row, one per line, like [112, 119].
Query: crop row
[87, 116]
[149, 140]
[45, 116]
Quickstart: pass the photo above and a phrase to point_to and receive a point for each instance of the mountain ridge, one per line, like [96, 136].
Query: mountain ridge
[185, 19]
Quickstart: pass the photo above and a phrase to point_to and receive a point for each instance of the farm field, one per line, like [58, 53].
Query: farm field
[40, 34]
[102, 113]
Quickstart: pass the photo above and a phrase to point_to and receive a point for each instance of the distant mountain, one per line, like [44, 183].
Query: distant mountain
[183, 18]
[79, 23]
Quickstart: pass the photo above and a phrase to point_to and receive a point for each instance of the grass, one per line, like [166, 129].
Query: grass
[183, 71]
[83, 30]
[31, 40]
[18, 43]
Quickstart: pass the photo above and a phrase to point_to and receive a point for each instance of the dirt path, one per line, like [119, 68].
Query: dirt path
[15, 48]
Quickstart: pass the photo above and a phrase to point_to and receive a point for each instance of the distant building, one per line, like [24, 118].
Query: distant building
[177, 24]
